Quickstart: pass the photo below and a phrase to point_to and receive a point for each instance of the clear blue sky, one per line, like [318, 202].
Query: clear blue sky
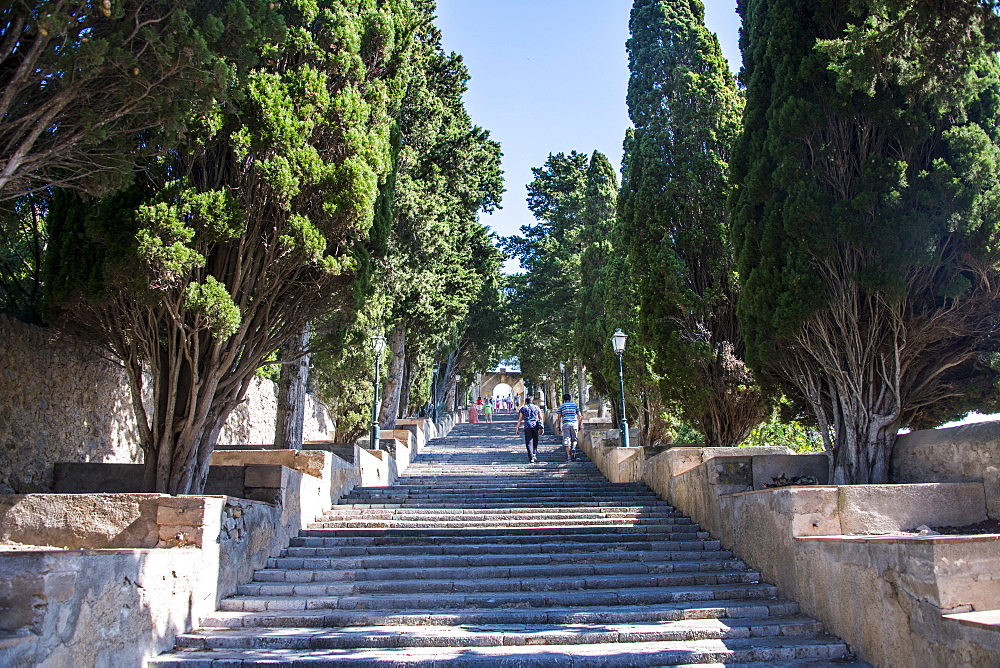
[551, 76]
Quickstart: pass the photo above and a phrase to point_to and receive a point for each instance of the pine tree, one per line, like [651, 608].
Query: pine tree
[866, 232]
[674, 219]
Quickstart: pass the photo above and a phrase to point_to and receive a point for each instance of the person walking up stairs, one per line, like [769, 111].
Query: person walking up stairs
[478, 558]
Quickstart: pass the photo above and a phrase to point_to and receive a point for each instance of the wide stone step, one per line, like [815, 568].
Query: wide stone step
[497, 513]
[665, 653]
[622, 614]
[436, 537]
[498, 599]
[326, 547]
[529, 582]
[477, 524]
[424, 569]
[495, 507]
[509, 635]
[425, 536]
[316, 559]
[510, 499]
[709, 558]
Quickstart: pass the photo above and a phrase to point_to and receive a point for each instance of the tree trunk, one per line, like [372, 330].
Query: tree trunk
[394, 381]
[581, 385]
[292, 392]
[407, 387]
[448, 384]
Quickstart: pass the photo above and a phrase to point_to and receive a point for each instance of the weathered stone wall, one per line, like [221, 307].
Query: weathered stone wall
[958, 454]
[63, 402]
[885, 595]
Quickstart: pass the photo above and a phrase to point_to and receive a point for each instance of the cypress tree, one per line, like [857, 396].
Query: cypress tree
[866, 224]
[241, 238]
[673, 217]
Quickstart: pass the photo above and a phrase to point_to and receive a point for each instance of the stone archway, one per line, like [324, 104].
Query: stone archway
[487, 382]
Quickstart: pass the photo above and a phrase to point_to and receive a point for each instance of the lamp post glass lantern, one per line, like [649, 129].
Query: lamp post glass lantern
[618, 345]
[378, 347]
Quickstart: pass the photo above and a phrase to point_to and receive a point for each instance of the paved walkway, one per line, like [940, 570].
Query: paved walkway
[476, 557]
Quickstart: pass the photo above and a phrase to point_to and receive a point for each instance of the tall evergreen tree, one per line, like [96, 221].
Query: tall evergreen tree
[673, 215]
[448, 171]
[545, 296]
[198, 277]
[867, 232]
[592, 329]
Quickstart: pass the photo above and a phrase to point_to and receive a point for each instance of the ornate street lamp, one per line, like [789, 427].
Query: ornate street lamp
[545, 390]
[618, 344]
[378, 347]
[434, 392]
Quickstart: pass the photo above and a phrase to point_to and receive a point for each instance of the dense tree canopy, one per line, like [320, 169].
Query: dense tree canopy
[866, 229]
[87, 86]
[674, 219]
[203, 269]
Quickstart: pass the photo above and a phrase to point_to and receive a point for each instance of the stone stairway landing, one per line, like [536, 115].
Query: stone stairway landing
[476, 557]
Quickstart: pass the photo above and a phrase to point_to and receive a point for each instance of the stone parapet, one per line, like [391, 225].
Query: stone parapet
[967, 453]
[886, 595]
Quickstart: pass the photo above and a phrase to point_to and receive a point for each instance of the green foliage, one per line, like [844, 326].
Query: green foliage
[674, 220]
[430, 266]
[781, 429]
[103, 79]
[237, 240]
[592, 329]
[545, 298]
[212, 306]
[865, 215]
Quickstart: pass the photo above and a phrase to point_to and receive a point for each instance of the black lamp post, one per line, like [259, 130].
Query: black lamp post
[434, 393]
[378, 346]
[618, 344]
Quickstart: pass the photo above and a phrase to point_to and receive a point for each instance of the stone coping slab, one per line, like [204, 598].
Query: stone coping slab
[310, 462]
[775, 489]
[984, 619]
[903, 538]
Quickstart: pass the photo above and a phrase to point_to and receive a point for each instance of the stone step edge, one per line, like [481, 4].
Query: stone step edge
[577, 634]
[652, 653]
[661, 612]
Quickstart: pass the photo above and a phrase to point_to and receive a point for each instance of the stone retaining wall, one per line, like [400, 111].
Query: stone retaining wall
[957, 454]
[885, 595]
[64, 402]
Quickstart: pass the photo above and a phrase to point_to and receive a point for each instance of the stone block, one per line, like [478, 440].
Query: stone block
[310, 462]
[272, 495]
[181, 511]
[172, 535]
[730, 471]
[767, 467]
[97, 478]
[275, 477]
[877, 509]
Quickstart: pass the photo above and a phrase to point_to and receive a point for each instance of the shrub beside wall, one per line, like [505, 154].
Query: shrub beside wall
[62, 401]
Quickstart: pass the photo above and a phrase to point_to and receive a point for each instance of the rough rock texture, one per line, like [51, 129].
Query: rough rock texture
[958, 454]
[66, 402]
[884, 595]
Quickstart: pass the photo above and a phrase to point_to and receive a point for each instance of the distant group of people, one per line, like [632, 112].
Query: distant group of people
[484, 407]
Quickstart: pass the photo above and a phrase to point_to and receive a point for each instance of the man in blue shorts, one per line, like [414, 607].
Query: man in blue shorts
[570, 426]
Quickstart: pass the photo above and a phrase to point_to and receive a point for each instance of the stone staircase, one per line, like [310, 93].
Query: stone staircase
[475, 557]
